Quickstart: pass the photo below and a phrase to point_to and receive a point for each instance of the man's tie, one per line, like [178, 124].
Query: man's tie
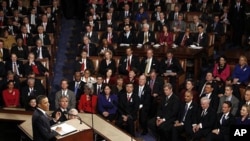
[183, 42]
[140, 91]
[109, 38]
[1, 54]
[15, 68]
[35, 69]
[145, 38]
[168, 63]
[40, 56]
[185, 112]
[128, 64]
[203, 113]
[128, 97]
[24, 39]
[83, 66]
[199, 39]
[76, 87]
[147, 67]
[98, 90]
[151, 85]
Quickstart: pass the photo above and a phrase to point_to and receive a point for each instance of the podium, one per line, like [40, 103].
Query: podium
[82, 133]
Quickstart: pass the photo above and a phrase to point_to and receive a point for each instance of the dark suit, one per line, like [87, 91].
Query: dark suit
[6, 54]
[145, 101]
[122, 68]
[96, 88]
[107, 5]
[78, 91]
[154, 64]
[104, 66]
[136, 6]
[203, 83]
[41, 127]
[114, 38]
[45, 52]
[131, 39]
[207, 120]
[128, 107]
[95, 24]
[23, 10]
[62, 118]
[39, 9]
[26, 93]
[122, 15]
[171, 15]
[49, 27]
[37, 20]
[214, 101]
[93, 38]
[184, 8]
[104, 25]
[122, 25]
[13, 29]
[217, 29]
[158, 25]
[91, 51]
[9, 66]
[189, 119]
[89, 64]
[21, 53]
[46, 40]
[32, 28]
[29, 39]
[151, 37]
[203, 39]
[180, 37]
[168, 110]
[40, 67]
[223, 126]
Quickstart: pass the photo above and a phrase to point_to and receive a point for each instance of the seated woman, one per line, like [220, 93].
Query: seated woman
[189, 86]
[119, 86]
[131, 78]
[241, 72]
[107, 104]
[87, 78]
[31, 105]
[11, 95]
[244, 118]
[88, 101]
[221, 69]
[165, 37]
[141, 14]
[109, 78]
[107, 63]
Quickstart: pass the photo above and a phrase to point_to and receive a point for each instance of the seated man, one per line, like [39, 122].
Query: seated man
[184, 38]
[146, 36]
[201, 38]
[63, 110]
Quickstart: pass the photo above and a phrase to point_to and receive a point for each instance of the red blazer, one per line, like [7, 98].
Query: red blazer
[168, 39]
[112, 81]
[224, 74]
[86, 105]
[11, 99]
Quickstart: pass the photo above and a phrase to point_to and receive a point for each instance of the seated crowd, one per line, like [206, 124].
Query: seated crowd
[136, 90]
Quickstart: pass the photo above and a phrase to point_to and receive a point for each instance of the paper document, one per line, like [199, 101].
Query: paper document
[66, 129]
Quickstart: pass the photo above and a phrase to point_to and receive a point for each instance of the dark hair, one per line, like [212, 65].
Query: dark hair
[40, 98]
[210, 84]
[228, 103]
[64, 79]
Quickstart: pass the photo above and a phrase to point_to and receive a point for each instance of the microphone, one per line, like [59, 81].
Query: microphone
[80, 119]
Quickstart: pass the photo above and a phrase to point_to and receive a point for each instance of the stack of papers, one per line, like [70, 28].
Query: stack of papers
[66, 129]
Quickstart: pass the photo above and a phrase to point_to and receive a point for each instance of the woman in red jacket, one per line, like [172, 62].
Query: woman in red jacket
[221, 69]
[11, 95]
[88, 101]
[166, 37]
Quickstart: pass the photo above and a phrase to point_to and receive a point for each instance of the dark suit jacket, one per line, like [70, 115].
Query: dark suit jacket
[169, 109]
[130, 40]
[94, 37]
[89, 64]
[151, 37]
[121, 26]
[13, 29]
[184, 7]
[175, 66]
[41, 68]
[29, 38]
[33, 29]
[46, 40]
[103, 66]
[106, 6]
[180, 37]
[92, 49]
[23, 11]
[136, 6]
[39, 9]
[214, 101]
[225, 126]
[158, 25]
[128, 107]
[154, 64]
[37, 20]
[208, 120]
[122, 15]
[145, 98]
[203, 82]
[104, 25]
[25, 91]
[96, 25]
[114, 38]
[6, 54]
[218, 28]
[80, 89]
[95, 88]
[62, 118]
[20, 53]
[49, 27]
[158, 85]
[41, 127]
[9, 66]
[123, 64]
[45, 52]
[203, 40]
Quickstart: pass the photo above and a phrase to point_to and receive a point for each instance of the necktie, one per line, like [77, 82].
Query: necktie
[238, 7]
[145, 38]
[147, 67]
[169, 63]
[98, 90]
[41, 37]
[44, 26]
[76, 87]
[223, 119]
[175, 16]
[1, 54]
[40, 56]
[202, 90]
[35, 69]
[15, 68]
[151, 85]
[128, 64]
[109, 38]
[140, 91]
[183, 42]
[185, 112]
[128, 97]
[24, 39]
[83, 66]
[199, 39]
[203, 113]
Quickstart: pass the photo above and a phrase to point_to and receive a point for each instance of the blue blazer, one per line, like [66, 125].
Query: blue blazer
[109, 105]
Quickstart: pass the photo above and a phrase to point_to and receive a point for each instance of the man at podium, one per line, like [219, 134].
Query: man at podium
[41, 121]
